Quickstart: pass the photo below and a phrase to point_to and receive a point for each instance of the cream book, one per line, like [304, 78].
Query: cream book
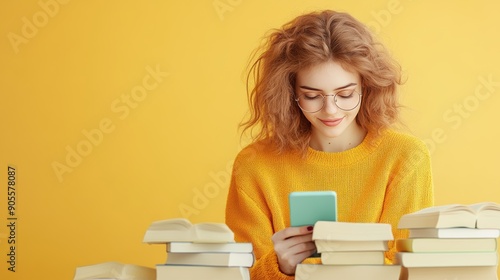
[353, 258]
[479, 215]
[211, 259]
[446, 259]
[187, 272]
[341, 246]
[454, 233]
[424, 245]
[342, 231]
[449, 273]
[114, 270]
[182, 230]
[351, 272]
[193, 247]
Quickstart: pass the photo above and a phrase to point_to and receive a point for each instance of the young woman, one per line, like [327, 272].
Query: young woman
[324, 105]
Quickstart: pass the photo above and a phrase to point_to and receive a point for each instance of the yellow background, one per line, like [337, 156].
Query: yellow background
[166, 141]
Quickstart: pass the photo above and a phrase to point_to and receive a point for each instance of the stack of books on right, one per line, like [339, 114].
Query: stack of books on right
[351, 251]
[453, 241]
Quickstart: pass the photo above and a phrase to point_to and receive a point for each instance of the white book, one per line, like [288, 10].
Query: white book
[192, 247]
[454, 233]
[446, 259]
[211, 259]
[187, 272]
[114, 270]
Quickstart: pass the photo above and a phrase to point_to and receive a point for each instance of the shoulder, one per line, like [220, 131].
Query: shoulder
[402, 139]
[261, 154]
[402, 144]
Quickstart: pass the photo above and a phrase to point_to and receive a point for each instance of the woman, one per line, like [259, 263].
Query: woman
[324, 105]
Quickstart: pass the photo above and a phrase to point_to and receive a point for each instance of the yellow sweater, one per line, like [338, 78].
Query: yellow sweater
[378, 181]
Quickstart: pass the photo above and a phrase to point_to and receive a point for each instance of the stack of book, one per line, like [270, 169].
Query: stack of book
[450, 242]
[200, 251]
[354, 251]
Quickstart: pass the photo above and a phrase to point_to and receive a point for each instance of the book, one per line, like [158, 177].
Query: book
[446, 259]
[186, 272]
[352, 258]
[453, 233]
[191, 247]
[325, 230]
[340, 246]
[114, 270]
[451, 273]
[419, 245]
[211, 259]
[182, 230]
[478, 215]
[351, 272]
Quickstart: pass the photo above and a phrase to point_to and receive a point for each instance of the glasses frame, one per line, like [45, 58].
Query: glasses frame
[334, 101]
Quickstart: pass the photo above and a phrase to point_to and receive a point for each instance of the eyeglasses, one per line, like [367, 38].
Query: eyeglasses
[346, 100]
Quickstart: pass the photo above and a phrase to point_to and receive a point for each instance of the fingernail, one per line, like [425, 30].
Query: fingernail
[310, 228]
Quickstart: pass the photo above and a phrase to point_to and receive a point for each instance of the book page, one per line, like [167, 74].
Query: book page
[172, 224]
[485, 206]
[444, 209]
[213, 232]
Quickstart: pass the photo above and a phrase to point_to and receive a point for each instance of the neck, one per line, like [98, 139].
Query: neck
[350, 138]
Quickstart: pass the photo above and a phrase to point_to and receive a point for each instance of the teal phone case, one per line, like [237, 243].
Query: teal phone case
[306, 208]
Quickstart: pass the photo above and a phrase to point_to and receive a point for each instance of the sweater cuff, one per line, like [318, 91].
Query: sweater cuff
[267, 268]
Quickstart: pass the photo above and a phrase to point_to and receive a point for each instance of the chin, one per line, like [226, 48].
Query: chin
[333, 133]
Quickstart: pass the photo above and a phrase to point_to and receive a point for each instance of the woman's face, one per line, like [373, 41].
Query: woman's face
[328, 79]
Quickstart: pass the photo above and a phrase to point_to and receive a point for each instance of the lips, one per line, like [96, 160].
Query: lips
[331, 122]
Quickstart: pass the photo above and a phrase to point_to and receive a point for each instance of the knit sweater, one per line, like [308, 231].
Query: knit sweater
[378, 181]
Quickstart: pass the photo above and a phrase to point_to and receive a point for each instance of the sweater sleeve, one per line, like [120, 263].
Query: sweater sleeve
[249, 218]
[409, 190]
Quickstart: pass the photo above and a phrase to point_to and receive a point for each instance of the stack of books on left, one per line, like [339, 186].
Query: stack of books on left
[200, 251]
[450, 242]
[115, 271]
[354, 251]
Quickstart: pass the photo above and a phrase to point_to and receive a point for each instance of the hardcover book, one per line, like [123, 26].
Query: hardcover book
[187, 272]
[449, 259]
[211, 259]
[342, 231]
[182, 230]
[423, 245]
[479, 215]
[194, 247]
[451, 273]
[114, 270]
[454, 233]
[342, 246]
[352, 258]
[351, 272]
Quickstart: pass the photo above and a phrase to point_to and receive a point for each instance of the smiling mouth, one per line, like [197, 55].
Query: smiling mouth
[332, 123]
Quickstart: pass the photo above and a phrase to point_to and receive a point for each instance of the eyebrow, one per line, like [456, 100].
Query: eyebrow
[339, 88]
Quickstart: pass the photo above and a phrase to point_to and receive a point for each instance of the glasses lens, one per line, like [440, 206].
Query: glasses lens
[347, 99]
[310, 103]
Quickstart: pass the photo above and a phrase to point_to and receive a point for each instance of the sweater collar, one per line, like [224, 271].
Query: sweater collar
[369, 145]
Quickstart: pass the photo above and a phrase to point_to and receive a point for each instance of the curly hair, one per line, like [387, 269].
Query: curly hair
[308, 40]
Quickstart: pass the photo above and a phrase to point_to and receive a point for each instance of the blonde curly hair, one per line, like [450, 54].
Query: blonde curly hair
[307, 40]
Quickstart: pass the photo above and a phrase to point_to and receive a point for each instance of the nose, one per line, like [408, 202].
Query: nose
[330, 107]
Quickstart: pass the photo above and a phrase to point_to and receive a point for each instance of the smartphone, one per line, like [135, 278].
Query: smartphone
[306, 208]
